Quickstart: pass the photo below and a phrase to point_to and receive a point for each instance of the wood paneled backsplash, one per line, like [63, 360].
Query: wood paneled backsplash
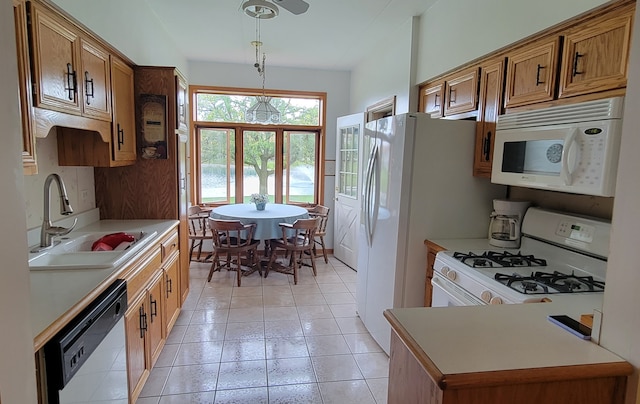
[582, 204]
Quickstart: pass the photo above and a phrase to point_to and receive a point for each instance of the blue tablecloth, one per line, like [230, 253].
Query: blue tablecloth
[267, 220]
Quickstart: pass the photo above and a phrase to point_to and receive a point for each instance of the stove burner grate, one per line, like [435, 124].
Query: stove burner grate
[499, 259]
[546, 282]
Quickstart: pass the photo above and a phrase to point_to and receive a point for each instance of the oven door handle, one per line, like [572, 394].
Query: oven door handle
[455, 292]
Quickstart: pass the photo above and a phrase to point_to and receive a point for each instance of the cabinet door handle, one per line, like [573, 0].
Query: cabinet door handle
[169, 286]
[538, 82]
[88, 93]
[487, 146]
[71, 84]
[154, 306]
[575, 64]
[120, 137]
[143, 322]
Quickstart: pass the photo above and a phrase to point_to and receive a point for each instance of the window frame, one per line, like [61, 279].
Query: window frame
[239, 127]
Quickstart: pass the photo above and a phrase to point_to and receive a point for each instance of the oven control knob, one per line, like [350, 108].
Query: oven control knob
[451, 274]
[444, 271]
[495, 300]
[486, 296]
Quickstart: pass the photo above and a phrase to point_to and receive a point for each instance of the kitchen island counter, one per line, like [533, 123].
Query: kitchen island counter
[499, 353]
[57, 296]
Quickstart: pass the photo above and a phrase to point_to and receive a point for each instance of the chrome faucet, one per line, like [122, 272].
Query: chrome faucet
[48, 230]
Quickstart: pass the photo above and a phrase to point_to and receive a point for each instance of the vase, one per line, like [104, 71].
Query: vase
[260, 205]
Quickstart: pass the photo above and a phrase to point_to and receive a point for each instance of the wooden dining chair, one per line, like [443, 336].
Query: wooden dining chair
[235, 242]
[323, 213]
[198, 230]
[297, 239]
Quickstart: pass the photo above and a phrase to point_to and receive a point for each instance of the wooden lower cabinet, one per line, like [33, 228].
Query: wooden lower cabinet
[171, 292]
[432, 250]
[410, 382]
[155, 331]
[135, 320]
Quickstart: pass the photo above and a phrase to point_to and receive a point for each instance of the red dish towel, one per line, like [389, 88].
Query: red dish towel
[111, 241]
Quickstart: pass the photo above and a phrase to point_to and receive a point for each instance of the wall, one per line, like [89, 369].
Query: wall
[621, 318]
[334, 83]
[17, 372]
[118, 21]
[454, 32]
[386, 72]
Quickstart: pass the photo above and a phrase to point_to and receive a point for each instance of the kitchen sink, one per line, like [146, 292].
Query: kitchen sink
[74, 252]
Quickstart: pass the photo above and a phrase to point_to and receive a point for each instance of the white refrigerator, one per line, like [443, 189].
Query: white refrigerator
[417, 185]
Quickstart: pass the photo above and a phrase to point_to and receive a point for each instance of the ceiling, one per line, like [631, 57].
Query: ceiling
[331, 35]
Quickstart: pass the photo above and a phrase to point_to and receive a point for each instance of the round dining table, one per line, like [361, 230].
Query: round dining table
[267, 220]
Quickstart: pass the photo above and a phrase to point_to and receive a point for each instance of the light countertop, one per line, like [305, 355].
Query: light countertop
[57, 293]
[497, 338]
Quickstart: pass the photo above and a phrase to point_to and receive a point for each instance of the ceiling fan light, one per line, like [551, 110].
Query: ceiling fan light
[261, 9]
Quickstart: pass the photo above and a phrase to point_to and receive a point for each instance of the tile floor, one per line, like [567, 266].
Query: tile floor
[270, 341]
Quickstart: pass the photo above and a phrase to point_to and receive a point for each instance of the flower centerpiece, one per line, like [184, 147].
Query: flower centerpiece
[260, 200]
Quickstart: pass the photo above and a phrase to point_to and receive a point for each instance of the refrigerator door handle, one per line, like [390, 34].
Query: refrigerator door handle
[368, 194]
[365, 196]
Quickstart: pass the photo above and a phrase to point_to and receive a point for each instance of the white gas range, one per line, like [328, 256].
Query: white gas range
[560, 254]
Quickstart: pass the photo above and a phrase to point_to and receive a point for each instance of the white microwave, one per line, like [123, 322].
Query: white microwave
[568, 148]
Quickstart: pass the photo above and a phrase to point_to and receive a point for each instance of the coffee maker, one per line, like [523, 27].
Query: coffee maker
[506, 220]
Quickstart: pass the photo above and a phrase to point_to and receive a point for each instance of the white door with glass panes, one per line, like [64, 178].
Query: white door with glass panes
[348, 182]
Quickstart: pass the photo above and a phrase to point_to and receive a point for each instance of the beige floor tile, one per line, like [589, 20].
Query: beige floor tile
[333, 288]
[282, 300]
[312, 312]
[339, 298]
[192, 379]
[278, 348]
[332, 368]
[351, 286]
[320, 326]
[254, 395]
[209, 316]
[373, 365]
[295, 393]
[213, 303]
[253, 330]
[198, 353]
[191, 398]
[282, 329]
[328, 278]
[362, 343]
[276, 289]
[243, 374]
[149, 400]
[243, 350]
[349, 277]
[310, 289]
[379, 389]
[280, 313]
[276, 279]
[343, 310]
[321, 345]
[351, 325]
[309, 300]
[238, 302]
[204, 332]
[247, 291]
[177, 334]
[184, 318]
[155, 383]
[167, 356]
[219, 292]
[352, 392]
[290, 371]
[246, 314]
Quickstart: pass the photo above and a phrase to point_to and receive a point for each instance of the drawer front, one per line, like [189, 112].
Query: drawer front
[142, 274]
[169, 246]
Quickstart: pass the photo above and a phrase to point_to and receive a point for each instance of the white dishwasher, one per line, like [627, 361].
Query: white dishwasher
[86, 361]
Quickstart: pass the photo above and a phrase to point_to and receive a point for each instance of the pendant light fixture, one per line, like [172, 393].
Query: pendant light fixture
[262, 111]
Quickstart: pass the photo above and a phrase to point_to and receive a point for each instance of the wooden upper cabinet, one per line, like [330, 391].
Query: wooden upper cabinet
[489, 107]
[95, 80]
[596, 54]
[182, 106]
[461, 92]
[531, 73]
[123, 139]
[24, 86]
[431, 100]
[55, 62]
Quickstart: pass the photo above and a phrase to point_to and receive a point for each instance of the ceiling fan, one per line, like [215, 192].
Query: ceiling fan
[264, 9]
